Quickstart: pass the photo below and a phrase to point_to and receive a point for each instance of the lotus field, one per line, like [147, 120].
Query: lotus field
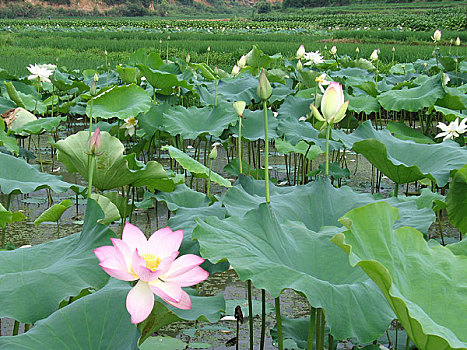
[291, 203]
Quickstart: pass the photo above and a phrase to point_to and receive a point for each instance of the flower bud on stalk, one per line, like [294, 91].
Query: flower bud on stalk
[299, 65]
[239, 107]
[333, 50]
[242, 62]
[436, 36]
[213, 153]
[264, 89]
[458, 41]
[187, 59]
[374, 55]
[95, 142]
[300, 52]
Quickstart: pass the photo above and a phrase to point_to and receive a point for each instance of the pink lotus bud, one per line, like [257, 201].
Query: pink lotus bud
[264, 89]
[95, 142]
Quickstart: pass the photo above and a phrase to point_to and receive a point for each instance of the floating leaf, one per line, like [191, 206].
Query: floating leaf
[399, 261]
[54, 213]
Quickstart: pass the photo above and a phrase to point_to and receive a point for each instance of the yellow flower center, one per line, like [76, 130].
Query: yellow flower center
[319, 80]
[132, 121]
[152, 262]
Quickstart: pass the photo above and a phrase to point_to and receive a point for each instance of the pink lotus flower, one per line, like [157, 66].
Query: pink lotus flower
[333, 107]
[154, 263]
[95, 142]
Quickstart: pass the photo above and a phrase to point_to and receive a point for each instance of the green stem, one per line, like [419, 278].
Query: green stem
[328, 136]
[90, 117]
[7, 207]
[91, 165]
[239, 143]
[215, 96]
[39, 151]
[407, 344]
[266, 150]
[311, 329]
[319, 329]
[280, 342]
[263, 319]
[396, 189]
[209, 178]
[250, 314]
[15, 328]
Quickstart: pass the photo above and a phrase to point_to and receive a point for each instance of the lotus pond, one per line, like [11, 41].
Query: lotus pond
[159, 204]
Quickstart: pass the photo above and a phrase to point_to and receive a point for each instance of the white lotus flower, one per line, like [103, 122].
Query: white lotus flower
[38, 72]
[313, 57]
[321, 80]
[130, 126]
[453, 130]
[300, 52]
[235, 70]
[374, 55]
[242, 62]
[333, 50]
[437, 35]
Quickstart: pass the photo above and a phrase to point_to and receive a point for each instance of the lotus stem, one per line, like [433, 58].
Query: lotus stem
[250, 313]
[328, 136]
[215, 96]
[440, 227]
[330, 341]
[15, 328]
[396, 189]
[311, 329]
[280, 342]
[407, 344]
[209, 178]
[320, 321]
[263, 319]
[26, 327]
[91, 165]
[7, 207]
[90, 117]
[266, 151]
[239, 144]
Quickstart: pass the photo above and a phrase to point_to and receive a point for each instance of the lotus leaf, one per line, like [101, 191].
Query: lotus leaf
[193, 122]
[278, 256]
[413, 99]
[449, 114]
[183, 197]
[404, 132]
[405, 161]
[113, 169]
[54, 213]
[17, 176]
[6, 104]
[163, 82]
[310, 151]
[120, 102]
[424, 286]
[38, 126]
[457, 200]
[8, 217]
[253, 125]
[6, 141]
[33, 281]
[195, 167]
[110, 210]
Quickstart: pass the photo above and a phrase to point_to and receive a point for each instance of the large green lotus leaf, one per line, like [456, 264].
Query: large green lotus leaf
[192, 122]
[405, 161]
[449, 114]
[457, 200]
[303, 148]
[238, 89]
[64, 82]
[36, 127]
[258, 59]
[413, 99]
[366, 104]
[153, 121]
[33, 281]
[94, 322]
[294, 106]
[195, 167]
[253, 125]
[318, 204]
[424, 286]
[206, 309]
[404, 132]
[120, 102]
[455, 98]
[17, 176]
[163, 82]
[6, 104]
[113, 169]
[275, 257]
[295, 130]
[183, 197]
[25, 100]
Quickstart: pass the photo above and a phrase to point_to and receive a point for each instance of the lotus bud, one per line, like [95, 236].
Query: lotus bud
[437, 35]
[446, 79]
[458, 41]
[264, 89]
[209, 48]
[242, 62]
[300, 52]
[357, 50]
[95, 142]
[187, 59]
[333, 50]
[239, 107]
[216, 70]
[333, 107]
[168, 37]
[325, 47]
[374, 55]
[160, 41]
[393, 49]
[235, 70]
[213, 154]
[425, 64]
[299, 65]
[105, 52]
[96, 77]
[451, 41]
